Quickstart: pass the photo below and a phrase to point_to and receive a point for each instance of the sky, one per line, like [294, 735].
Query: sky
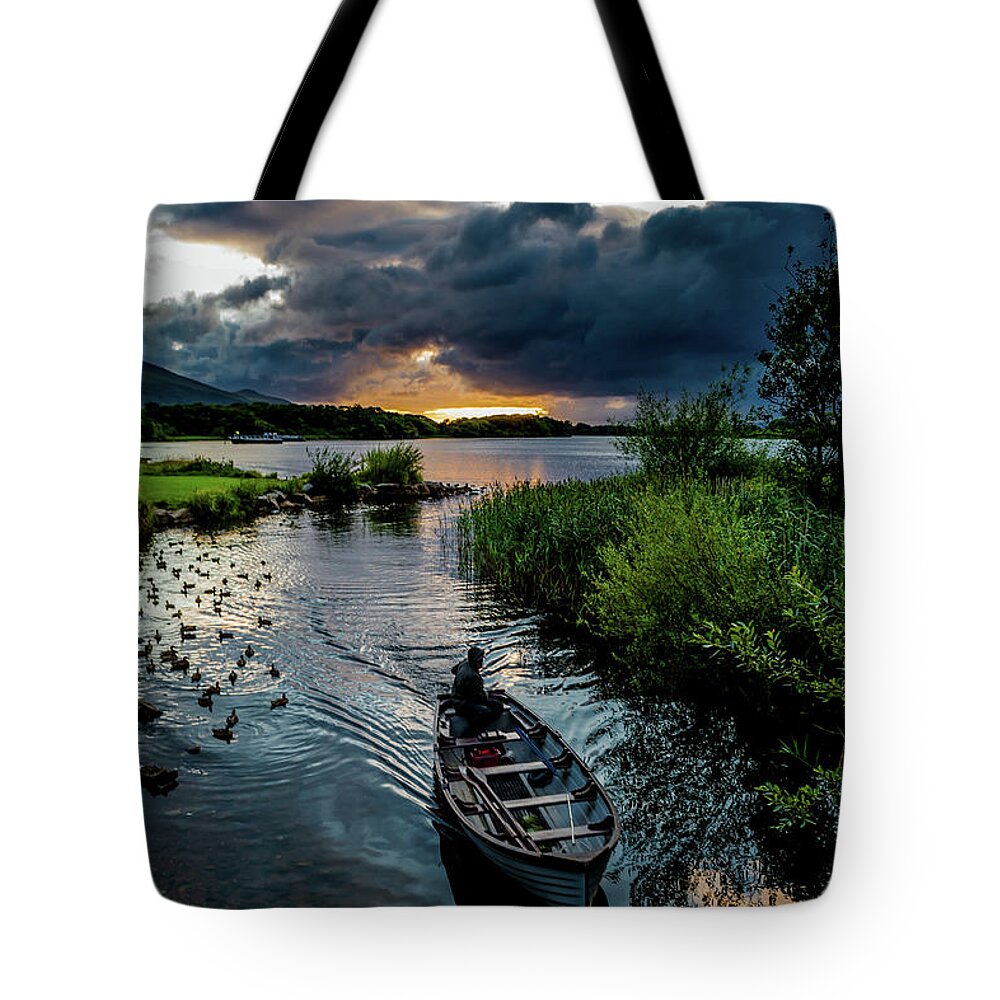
[436, 307]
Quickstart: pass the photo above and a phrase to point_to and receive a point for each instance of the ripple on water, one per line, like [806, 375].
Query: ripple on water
[328, 800]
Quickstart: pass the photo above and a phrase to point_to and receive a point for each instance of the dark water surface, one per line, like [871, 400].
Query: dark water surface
[328, 801]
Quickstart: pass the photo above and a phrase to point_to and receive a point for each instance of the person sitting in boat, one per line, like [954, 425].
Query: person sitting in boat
[469, 692]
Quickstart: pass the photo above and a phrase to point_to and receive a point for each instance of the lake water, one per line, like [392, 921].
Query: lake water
[329, 800]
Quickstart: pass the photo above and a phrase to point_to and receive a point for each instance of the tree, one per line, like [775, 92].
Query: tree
[801, 377]
[694, 436]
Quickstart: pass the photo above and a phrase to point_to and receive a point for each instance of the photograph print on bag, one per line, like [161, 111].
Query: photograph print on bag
[491, 554]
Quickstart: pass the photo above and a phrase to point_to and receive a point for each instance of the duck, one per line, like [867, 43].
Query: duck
[249, 651]
[169, 606]
[157, 637]
[279, 702]
[274, 671]
[233, 676]
[232, 719]
[150, 667]
[223, 734]
[241, 662]
[213, 689]
[263, 622]
[169, 654]
[205, 701]
[196, 676]
[224, 635]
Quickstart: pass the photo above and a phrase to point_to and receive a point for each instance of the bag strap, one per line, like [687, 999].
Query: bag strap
[635, 56]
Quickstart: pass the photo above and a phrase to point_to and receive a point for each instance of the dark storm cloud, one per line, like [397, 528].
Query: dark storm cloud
[533, 300]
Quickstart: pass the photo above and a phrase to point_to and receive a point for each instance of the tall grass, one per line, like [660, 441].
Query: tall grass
[225, 509]
[333, 474]
[541, 543]
[402, 464]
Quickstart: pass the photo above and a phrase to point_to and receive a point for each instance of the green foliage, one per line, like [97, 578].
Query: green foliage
[697, 436]
[198, 467]
[225, 509]
[402, 464]
[807, 805]
[804, 656]
[812, 624]
[507, 425]
[333, 474]
[689, 552]
[801, 378]
[541, 543]
[350, 423]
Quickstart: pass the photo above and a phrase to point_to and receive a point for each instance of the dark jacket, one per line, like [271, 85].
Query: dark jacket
[468, 683]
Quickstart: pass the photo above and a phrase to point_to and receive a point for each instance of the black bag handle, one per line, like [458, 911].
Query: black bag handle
[635, 56]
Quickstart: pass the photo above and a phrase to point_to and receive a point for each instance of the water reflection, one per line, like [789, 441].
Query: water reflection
[394, 519]
[329, 800]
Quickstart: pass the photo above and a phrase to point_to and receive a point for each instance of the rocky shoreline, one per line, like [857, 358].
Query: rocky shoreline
[277, 501]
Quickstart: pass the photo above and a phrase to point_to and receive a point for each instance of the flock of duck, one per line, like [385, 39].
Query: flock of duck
[206, 600]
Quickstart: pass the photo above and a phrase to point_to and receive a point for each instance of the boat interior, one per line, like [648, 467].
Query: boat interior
[515, 780]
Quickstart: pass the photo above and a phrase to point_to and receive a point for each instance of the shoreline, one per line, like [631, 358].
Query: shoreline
[277, 501]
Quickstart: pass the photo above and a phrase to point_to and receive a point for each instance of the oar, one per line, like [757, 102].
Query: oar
[536, 750]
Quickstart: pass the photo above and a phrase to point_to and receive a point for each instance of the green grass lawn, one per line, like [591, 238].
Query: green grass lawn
[176, 491]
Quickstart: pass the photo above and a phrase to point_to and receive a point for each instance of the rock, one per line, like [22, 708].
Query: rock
[158, 780]
[148, 711]
[182, 517]
[267, 504]
[302, 499]
[307, 488]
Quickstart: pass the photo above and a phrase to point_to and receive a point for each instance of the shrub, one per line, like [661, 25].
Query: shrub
[402, 464]
[225, 508]
[696, 436]
[333, 473]
[689, 553]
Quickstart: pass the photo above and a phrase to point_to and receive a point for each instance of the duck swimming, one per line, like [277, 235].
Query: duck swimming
[274, 671]
[223, 734]
[279, 702]
[232, 676]
[232, 719]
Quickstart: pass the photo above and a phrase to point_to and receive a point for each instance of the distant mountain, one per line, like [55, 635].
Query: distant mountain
[170, 389]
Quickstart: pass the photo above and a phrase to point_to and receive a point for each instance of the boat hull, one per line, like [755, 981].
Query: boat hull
[551, 876]
[553, 885]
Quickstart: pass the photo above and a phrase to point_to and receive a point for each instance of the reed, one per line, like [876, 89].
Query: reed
[402, 464]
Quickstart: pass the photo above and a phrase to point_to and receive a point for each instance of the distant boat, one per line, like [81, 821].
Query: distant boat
[525, 801]
[268, 437]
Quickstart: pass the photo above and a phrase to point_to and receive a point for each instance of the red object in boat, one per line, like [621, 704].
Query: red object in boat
[485, 756]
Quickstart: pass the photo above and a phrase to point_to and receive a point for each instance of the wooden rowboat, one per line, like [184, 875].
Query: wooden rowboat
[525, 800]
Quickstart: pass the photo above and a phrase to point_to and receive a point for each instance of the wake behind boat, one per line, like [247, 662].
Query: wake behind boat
[525, 800]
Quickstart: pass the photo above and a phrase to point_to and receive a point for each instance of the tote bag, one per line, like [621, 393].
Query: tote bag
[491, 552]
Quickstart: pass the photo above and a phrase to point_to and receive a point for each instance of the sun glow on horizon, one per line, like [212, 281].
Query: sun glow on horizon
[459, 412]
